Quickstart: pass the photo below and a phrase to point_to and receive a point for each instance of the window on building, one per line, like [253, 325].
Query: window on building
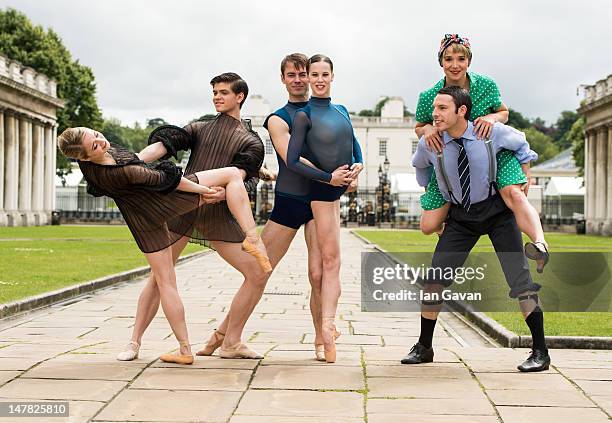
[382, 147]
[415, 143]
[269, 147]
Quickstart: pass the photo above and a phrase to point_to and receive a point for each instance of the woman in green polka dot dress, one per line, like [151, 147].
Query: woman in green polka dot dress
[455, 56]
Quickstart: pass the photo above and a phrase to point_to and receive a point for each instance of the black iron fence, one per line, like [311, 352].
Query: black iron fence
[365, 207]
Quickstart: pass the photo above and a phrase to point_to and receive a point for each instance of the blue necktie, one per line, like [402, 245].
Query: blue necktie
[464, 175]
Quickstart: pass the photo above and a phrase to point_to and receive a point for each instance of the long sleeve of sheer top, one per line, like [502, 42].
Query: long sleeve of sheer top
[299, 130]
[173, 138]
[163, 177]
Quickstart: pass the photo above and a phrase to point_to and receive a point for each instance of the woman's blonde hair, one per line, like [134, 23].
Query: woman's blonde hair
[70, 143]
[459, 48]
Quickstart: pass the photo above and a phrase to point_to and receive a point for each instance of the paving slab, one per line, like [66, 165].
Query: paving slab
[193, 379]
[169, 405]
[301, 403]
[309, 377]
[53, 389]
[551, 415]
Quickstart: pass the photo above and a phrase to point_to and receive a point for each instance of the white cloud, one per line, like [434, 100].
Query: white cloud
[155, 58]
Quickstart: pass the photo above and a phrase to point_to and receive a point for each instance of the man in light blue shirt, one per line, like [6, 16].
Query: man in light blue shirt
[502, 137]
[466, 175]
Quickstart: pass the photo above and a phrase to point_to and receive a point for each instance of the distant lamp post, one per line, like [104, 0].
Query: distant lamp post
[385, 191]
[266, 205]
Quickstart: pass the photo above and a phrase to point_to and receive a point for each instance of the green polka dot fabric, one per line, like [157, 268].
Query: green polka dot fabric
[486, 99]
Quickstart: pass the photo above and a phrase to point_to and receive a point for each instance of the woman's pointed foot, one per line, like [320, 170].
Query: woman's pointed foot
[184, 355]
[214, 342]
[239, 350]
[538, 251]
[254, 246]
[130, 352]
[320, 347]
[329, 339]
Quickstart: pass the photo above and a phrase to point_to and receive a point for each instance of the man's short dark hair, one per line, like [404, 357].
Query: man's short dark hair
[298, 60]
[237, 84]
[460, 97]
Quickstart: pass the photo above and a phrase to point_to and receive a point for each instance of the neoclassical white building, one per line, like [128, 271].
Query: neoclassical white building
[28, 129]
[389, 136]
[597, 109]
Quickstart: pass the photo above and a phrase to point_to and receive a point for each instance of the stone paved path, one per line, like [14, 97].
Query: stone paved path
[67, 352]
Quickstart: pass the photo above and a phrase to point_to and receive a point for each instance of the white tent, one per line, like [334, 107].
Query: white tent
[564, 186]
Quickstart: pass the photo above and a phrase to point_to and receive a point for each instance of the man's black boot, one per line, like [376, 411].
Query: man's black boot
[537, 361]
[419, 354]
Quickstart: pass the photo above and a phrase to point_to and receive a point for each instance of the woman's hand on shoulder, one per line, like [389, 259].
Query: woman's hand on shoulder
[483, 126]
[433, 138]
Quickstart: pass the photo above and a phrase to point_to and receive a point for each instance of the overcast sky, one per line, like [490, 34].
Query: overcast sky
[155, 58]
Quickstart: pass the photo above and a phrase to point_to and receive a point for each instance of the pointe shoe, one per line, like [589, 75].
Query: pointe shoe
[261, 257]
[130, 352]
[214, 342]
[178, 358]
[320, 348]
[329, 350]
[239, 350]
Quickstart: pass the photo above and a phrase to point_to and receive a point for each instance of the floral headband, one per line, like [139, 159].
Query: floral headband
[452, 39]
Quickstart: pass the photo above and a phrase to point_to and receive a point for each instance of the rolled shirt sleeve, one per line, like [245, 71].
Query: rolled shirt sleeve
[512, 139]
[421, 160]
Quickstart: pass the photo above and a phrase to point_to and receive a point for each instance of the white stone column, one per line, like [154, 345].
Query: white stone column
[25, 165]
[607, 229]
[49, 169]
[38, 160]
[590, 174]
[10, 164]
[600, 174]
[2, 177]
[53, 165]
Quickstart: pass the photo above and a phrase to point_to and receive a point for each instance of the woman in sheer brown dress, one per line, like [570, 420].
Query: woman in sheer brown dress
[158, 205]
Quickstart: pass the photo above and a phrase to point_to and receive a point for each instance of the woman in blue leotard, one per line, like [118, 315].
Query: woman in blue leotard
[323, 148]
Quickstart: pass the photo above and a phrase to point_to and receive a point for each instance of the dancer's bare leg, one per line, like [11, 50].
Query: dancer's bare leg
[148, 302]
[527, 217]
[315, 276]
[235, 194]
[162, 266]
[248, 294]
[239, 205]
[327, 221]
[432, 221]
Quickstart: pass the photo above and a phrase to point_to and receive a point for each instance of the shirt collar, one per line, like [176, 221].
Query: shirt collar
[467, 135]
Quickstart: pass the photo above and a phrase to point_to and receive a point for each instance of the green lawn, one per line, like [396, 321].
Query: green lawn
[34, 260]
[557, 323]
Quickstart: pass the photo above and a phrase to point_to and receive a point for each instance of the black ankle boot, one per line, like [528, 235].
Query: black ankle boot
[419, 354]
[537, 361]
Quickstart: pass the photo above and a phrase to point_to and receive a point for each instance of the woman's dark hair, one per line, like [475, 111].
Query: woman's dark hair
[460, 97]
[237, 84]
[320, 58]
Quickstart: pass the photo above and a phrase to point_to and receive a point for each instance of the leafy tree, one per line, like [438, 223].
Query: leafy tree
[541, 144]
[134, 137]
[576, 137]
[563, 127]
[517, 120]
[155, 122]
[43, 50]
[378, 109]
